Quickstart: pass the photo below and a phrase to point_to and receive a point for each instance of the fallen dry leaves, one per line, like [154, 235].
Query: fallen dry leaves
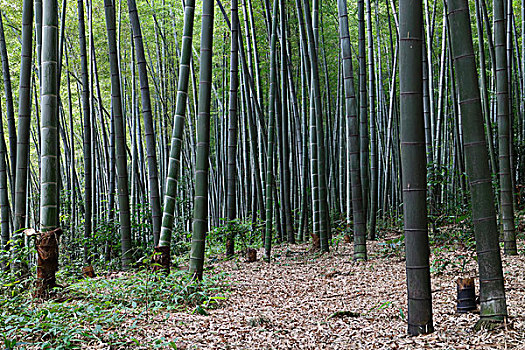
[287, 305]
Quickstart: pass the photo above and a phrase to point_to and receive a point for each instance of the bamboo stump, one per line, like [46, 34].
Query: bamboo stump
[466, 295]
[316, 242]
[251, 255]
[88, 271]
[47, 262]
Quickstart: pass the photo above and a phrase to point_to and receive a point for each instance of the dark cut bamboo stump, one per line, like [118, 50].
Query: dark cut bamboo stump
[47, 262]
[316, 242]
[466, 295]
[88, 271]
[251, 255]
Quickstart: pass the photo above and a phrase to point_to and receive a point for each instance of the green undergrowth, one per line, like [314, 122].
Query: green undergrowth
[446, 233]
[108, 310]
[247, 234]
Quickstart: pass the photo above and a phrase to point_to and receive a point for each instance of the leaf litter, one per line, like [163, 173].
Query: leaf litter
[304, 300]
[307, 300]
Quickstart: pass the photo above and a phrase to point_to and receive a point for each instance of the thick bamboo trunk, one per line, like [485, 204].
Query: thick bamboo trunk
[271, 138]
[504, 136]
[24, 122]
[352, 127]
[153, 178]
[413, 163]
[492, 298]
[47, 244]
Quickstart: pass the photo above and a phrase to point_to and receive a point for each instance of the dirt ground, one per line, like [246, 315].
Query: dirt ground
[287, 304]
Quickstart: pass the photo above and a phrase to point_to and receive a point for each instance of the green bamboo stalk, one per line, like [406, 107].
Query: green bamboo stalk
[363, 107]
[492, 298]
[231, 190]
[352, 133]
[24, 116]
[285, 145]
[373, 133]
[49, 122]
[178, 127]
[270, 153]
[49, 157]
[153, 179]
[305, 67]
[200, 211]
[413, 165]
[120, 137]
[9, 103]
[4, 200]
[502, 93]
[86, 109]
[320, 172]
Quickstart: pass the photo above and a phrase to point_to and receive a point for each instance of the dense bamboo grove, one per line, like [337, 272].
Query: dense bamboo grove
[151, 125]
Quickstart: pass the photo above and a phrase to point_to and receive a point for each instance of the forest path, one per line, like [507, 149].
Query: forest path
[287, 304]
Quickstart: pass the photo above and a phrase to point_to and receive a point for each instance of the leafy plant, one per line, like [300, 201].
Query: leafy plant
[392, 247]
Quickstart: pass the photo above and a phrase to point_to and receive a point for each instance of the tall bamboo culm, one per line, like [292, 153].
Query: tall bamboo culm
[24, 119]
[504, 137]
[49, 176]
[231, 190]
[352, 132]
[413, 165]
[177, 134]
[200, 210]
[120, 138]
[492, 291]
[86, 111]
[271, 137]
[153, 177]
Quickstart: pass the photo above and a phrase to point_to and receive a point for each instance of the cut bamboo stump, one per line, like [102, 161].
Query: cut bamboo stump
[251, 255]
[466, 295]
[316, 242]
[47, 261]
[88, 272]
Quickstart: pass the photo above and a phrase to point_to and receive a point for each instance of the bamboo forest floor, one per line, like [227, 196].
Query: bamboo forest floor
[303, 300]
